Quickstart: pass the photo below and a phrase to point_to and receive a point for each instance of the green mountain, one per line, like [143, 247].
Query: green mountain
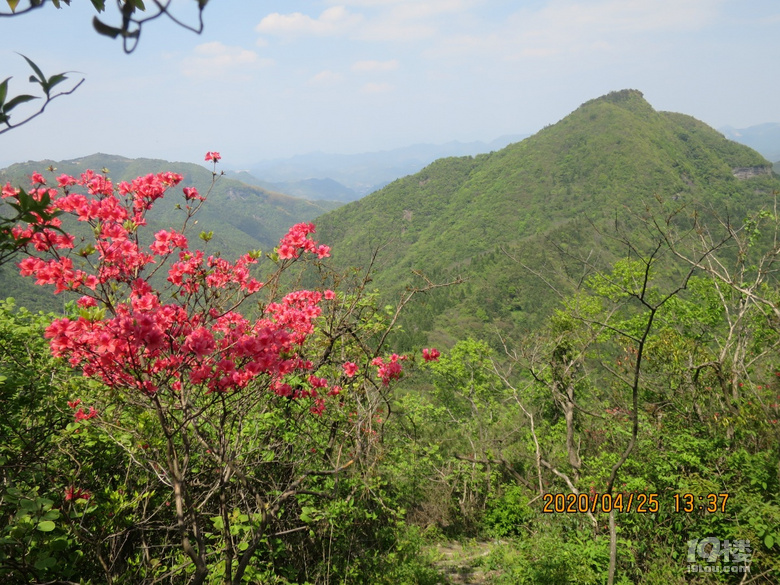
[466, 216]
[313, 189]
[243, 217]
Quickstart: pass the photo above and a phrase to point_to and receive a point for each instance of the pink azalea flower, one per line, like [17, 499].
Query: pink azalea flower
[430, 355]
[81, 415]
[73, 493]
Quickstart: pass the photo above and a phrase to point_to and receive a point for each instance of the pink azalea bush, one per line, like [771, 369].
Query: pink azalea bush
[161, 326]
[143, 341]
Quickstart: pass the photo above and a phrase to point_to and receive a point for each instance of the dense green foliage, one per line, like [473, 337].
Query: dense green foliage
[89, 503]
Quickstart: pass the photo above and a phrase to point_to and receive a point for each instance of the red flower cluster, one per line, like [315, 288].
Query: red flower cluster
[295, 242]
[147, 344]
[431, 355]
[350, 369]
[213, 156]
[72, 493]
[81, 415]
[114, 221]
[191, 193]
[138, 341]
[389, 370]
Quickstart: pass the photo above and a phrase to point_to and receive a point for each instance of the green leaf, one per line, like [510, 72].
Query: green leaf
[769, 541]
[58, 545]
[20, 99]
[46, 526]
[100, 5]
[12, 4]
[3, 90]
[54, 80]
[41, 77]
[104, 29]
[51, 515]
[45, 563]
[308, 514]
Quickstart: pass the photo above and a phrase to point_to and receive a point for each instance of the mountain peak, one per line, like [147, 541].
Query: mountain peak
[630, 99]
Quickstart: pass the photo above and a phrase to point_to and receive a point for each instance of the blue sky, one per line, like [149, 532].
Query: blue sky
[270, 79]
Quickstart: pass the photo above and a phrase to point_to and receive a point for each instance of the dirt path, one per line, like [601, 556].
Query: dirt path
[460, 564]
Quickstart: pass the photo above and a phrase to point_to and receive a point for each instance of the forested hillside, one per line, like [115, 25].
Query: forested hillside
[533, 202]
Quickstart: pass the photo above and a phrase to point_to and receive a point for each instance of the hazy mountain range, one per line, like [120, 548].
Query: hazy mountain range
[765, 138]
[347, 177]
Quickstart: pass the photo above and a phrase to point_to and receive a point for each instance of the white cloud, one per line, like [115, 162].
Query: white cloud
[214, 58]
[369, 3]
[628, 15]
[404, 20]
[426, 9]
[326, 77]
[771, 20]
[333, 21]
[395, 30]
[377, 88]
[374, 66]
[373, 20]
[579, 27]
[413, 7]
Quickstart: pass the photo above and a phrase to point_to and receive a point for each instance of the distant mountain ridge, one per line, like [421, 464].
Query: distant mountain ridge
[465, 216]
[365, 172]
[313, 189]
[765, 138]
